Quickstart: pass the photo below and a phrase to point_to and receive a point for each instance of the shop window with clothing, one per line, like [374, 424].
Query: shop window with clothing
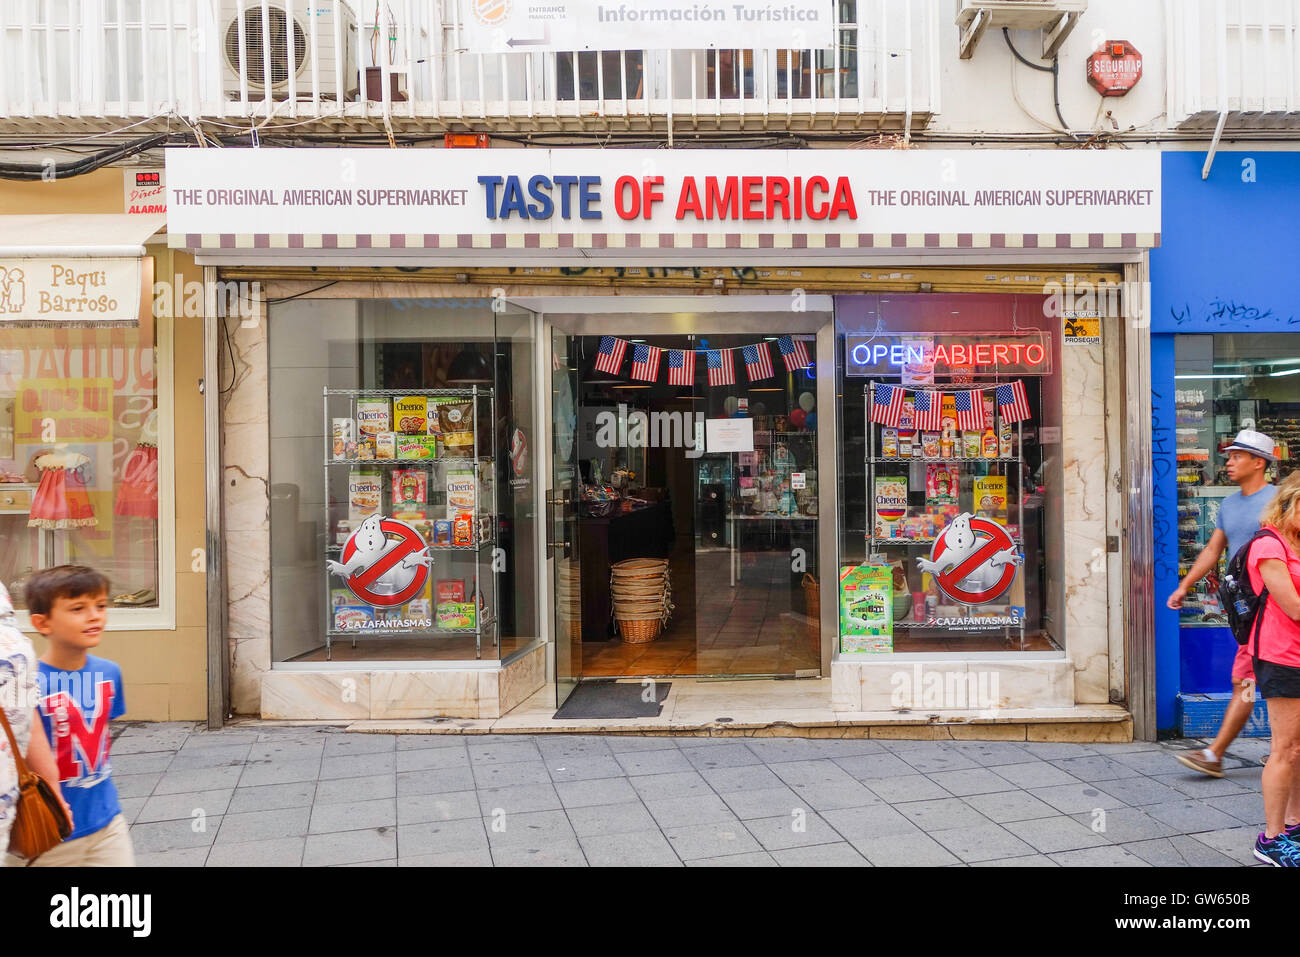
[402, 490]
[952, 488]
[79, 445]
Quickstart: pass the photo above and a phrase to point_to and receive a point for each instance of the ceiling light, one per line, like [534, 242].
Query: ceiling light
[1217, 375]
[1274, 375]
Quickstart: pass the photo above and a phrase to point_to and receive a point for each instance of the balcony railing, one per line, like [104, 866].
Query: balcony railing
[404, 64]
[1238, 60]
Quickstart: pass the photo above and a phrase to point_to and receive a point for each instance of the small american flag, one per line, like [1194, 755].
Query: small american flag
[758, 361]
[795, 353]
[722, 367]
[681, 367]
[1013, 405]
[970, 409]
[645, 362]
[887, 405]
[928, 411]
[610, 356]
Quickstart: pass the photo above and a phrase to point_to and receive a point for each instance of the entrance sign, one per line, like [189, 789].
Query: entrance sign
[514, 26]
[1026, 353]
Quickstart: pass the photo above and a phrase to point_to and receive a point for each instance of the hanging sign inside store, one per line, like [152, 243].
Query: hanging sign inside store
[71, 291]
[513, 26]
[973, 560]
[1027, 353]
[510, 200]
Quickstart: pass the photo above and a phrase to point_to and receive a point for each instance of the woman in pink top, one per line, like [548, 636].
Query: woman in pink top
[1274, 563]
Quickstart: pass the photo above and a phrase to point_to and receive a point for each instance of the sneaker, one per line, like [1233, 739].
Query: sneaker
[1197, 761]
[1293, 832]
[1282, 851]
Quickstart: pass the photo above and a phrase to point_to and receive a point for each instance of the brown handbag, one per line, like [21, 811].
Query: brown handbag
[41, 823]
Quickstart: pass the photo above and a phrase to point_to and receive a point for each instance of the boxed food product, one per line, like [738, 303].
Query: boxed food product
[442, 531]
[416, 447]
[866, 609]
[409, 415]
[991, 495]
[417, 608]
[386, 445]
[908, 418]
[344, 434]
[889, 443]
[456, 615]
[366, 447]
[948, 414]
[365, 490]
[941, 485]
[451, 589]
[890, 503]
[410, 488]
[462, 529]
[373, 416]
[352, 617]
[971, 443]
[462, 491]
[340, 597]
[989, 406]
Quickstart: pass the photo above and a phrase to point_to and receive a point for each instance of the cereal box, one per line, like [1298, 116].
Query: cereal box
[866, 609]
[991, 495]
[410, 488]
[456, 615]
[941, 485]
[451, 589]
[462, 491]
[409, 415]
[352, 617]
[373, 416]
[890, 503]
[386, 445]
[416, 447]
[365, 490]
[889, 443]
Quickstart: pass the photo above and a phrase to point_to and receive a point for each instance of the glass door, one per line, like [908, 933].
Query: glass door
[562, 501]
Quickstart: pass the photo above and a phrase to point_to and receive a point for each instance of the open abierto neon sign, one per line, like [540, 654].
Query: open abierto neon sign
[946, 354]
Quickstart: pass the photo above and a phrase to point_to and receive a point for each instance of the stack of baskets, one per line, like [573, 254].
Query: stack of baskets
[568, 600]
[642, 598]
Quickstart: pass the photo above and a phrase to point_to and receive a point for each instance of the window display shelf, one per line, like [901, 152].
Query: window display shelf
[912, 459]
[409, 463]
[406, 632]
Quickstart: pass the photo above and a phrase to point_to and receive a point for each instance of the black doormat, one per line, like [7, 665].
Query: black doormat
[614, 699]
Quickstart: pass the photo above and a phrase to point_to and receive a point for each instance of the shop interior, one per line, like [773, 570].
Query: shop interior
[720, 531]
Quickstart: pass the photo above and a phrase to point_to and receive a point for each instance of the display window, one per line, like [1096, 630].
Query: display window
[1225, 383]
[402, 485]
[951, 475]
[79, 456]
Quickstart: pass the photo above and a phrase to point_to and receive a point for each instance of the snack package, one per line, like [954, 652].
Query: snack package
[971, 443]
[365, 490]
[990, 495]
[454, 615]
[930, 445]
[451, 590]
[340, 597]
[409, 415]
[866, 609]
[458, 445]
[373, 416]
[386, 445]
[442, 531]
[366, 447]
[941, 485]
[417, 608]
[410, 488]
[344, 434]
[462, 529]
[1004, 439]
[890, 504]
[416, 447]
[889, 443]
[462, 488]
[455, 415]
[352, 617]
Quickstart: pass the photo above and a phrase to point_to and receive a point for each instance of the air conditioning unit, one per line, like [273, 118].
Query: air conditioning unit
[336, 43]
[1056, 18]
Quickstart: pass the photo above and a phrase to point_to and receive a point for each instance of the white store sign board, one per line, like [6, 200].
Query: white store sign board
[529, 191]
[506, 26]
[70, 290]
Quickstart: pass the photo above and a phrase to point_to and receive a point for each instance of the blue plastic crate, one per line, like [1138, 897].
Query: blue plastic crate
[1199, 716]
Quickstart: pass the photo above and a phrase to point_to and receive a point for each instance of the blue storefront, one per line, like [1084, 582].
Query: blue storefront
[1225, 355]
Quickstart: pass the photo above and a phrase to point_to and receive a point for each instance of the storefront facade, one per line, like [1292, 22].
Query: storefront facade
[101, 422]
[1224, 347]
[890, 389]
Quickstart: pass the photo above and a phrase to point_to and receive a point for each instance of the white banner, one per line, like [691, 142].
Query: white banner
[502, 26]
[527, 191]
[70, 290]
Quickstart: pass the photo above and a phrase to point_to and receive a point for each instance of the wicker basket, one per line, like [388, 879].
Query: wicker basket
[637, 631]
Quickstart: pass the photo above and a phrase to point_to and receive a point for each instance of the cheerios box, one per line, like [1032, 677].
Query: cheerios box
[866, 609]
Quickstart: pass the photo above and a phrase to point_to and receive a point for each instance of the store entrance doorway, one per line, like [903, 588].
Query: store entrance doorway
[693, 489]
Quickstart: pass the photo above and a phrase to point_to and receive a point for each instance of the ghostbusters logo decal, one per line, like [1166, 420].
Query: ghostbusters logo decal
[973, 560]
[385, 562]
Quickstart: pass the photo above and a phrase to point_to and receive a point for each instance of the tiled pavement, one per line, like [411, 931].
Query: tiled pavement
[320, 796]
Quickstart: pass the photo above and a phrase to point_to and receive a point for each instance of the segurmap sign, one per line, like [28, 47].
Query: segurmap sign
[413, 193]
[512, 26]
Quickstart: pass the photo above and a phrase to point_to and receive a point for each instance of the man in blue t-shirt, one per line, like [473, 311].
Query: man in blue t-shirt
[1249, 456]
[79, 694]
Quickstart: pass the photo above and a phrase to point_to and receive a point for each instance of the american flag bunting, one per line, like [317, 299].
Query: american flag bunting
[970, 409]
[681, 367]
[722, 367]
[609, 357]
[794, 352]
[1013, 404]
[758, 361]
[927, 411]
[887, 405]
[645, 362]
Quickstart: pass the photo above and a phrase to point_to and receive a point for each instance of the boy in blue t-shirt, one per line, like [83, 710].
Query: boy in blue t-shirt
[78, 695]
